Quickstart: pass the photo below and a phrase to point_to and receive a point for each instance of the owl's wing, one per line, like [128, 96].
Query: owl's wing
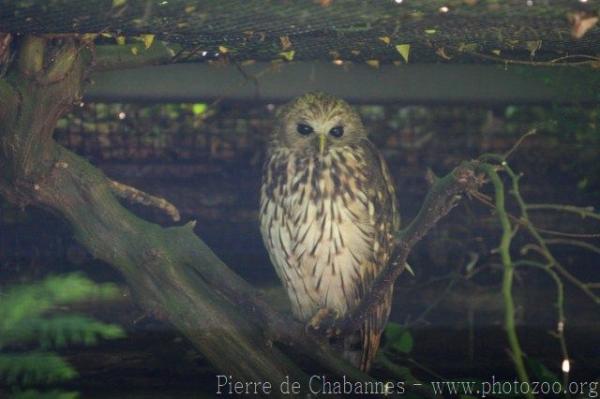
[386, 219]
[382, 194]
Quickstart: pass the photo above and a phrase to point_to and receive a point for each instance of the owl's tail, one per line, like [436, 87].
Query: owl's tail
[361, 347]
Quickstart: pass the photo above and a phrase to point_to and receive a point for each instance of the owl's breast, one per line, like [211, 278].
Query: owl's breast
[319, 227]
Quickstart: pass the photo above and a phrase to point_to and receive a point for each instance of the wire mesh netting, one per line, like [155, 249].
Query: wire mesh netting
[436, 31]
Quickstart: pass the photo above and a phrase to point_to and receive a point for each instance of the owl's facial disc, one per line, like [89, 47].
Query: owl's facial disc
[315, 123]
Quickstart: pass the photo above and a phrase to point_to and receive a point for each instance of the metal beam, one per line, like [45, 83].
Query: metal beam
[406, 84]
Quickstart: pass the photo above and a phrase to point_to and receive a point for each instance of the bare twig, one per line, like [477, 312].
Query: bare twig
[593, 286]
[571, 235]
[581, 211]
[486, 201]
[557, 62]
[137, 196]
[544, 250]
[515, 146]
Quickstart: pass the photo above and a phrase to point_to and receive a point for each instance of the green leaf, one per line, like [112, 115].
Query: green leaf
[148, 40]
[288, 55]
[398, 338]
[199, 108]
[404, 50]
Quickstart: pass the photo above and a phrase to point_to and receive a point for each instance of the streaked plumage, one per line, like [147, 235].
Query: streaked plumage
[328, 214]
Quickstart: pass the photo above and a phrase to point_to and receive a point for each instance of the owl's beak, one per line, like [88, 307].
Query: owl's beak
[322, 143]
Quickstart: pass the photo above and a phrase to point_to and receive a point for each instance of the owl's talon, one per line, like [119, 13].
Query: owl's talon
[323, 317]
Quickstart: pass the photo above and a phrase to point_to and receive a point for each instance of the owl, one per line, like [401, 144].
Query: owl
[328, 215]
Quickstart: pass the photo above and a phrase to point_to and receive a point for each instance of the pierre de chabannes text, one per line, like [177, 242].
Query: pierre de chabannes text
[322, 385]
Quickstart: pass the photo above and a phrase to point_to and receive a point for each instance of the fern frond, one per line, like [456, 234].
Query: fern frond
[34, 394]
[59, 331]
[34, 368]
[31, 300]
[22, 321]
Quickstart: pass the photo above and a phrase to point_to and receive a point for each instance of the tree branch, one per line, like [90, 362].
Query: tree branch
[583, 212]
[442, 197]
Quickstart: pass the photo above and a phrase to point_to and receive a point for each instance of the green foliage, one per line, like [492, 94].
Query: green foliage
[199, 108]
[24, 319]
[55, 394]
[23, 304]
[34, 368]
[61, 330]
[398, 338]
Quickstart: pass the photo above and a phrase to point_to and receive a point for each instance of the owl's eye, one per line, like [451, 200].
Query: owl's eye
[337, 131]
[304, 129]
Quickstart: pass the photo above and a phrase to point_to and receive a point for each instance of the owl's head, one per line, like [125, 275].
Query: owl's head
[316, 122]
